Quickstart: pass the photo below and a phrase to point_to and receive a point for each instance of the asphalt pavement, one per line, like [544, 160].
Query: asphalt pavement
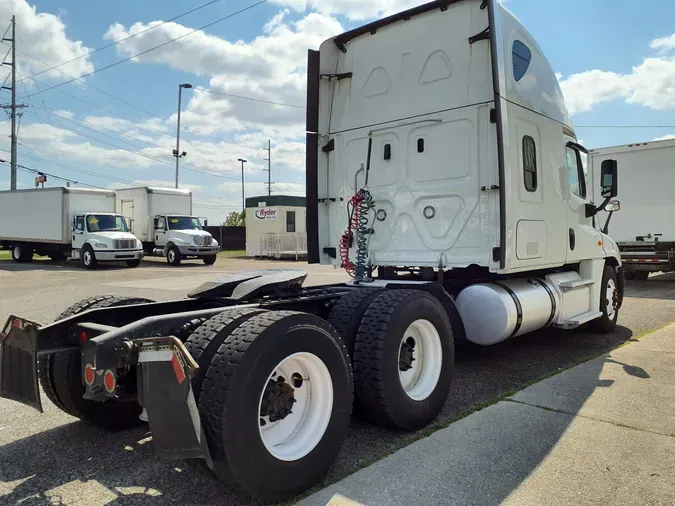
[600, 433]
[53, 457]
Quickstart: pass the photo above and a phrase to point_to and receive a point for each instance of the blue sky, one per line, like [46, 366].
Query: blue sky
[615, 59]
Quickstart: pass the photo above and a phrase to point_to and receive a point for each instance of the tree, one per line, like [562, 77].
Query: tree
[236, 219]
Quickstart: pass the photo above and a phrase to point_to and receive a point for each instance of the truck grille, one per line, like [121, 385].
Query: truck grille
[124, 244]
[202, 240]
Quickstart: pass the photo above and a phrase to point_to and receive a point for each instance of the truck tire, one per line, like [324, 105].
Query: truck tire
[204, 342]
[174, 256]
[133, 263]
[609, 303]
[22, 253]
[278, 371]
[60, 376]
[57, 257]
[87, 257]
[345, 316]
[403, 359]
[209, 260]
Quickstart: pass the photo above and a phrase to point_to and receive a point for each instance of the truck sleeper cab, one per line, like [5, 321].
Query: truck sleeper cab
[444, 175]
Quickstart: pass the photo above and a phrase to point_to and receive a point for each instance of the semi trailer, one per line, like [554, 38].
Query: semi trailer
[162, 219]
[645, 232]
[66, 223]
[443, 174]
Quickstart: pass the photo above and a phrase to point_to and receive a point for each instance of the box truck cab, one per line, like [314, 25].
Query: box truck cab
[162, 218]
[104, 237]
[76, 223]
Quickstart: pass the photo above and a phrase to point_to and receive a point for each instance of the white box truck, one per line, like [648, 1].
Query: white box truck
[162, 219]
[645, 229]
[76, 223]
[443, 172]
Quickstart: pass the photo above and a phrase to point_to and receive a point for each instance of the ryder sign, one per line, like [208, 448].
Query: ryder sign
[266, 213]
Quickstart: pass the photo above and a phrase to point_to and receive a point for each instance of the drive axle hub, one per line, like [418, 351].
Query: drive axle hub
[278, 400]
[406, 355]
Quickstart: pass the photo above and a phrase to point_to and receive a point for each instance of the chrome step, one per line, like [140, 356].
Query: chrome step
[576, 283]
[576, 321]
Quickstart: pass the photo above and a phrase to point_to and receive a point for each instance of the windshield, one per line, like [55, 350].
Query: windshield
[106, 223]
[184, 223]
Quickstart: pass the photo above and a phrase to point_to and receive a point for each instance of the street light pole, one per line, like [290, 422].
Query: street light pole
[177, 152]
[243, 200]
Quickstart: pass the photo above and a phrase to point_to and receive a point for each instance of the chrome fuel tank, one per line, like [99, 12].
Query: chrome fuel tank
[494, 312]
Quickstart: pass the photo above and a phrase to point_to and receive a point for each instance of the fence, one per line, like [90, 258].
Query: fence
[229, 238]
[284, 245]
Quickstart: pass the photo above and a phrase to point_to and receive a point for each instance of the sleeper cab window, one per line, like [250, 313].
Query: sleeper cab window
[529, 164]
[521, 56]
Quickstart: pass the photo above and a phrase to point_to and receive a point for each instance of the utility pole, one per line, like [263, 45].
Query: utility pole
[269, 167]
[13, 107]
[176, 152]
[243, 200]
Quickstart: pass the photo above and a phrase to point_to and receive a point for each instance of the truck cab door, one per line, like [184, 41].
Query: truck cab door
[78, 232]
[160, 231]
[582, 236]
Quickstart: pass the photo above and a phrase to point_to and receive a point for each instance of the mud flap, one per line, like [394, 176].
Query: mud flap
[18, 362]
[165, 391]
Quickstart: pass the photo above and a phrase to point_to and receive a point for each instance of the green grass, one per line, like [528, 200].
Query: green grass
[232, 253]
[5, 254]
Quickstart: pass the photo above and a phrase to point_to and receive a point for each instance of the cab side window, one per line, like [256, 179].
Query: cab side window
[576, 173]
[79, 223]
[161, 223]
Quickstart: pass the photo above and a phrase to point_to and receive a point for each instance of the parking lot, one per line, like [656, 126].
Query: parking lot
[53, 458]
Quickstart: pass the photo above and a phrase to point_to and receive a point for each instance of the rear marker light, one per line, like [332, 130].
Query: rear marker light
[83, 337]
[89, 374]
[109, 381]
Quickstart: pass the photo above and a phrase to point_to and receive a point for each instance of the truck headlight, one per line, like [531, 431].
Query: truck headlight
[214, 243]
[100, 245]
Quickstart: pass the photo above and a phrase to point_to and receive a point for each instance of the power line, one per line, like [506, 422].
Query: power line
[150, 113]
[122, 40]
[249, 98]
[102, 176]
[240, 11]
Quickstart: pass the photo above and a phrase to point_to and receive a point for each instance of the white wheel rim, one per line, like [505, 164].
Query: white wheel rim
[296, 435]
[421, 378]
[16, 252]
[609, 296]
[87, 258]
[172, 257]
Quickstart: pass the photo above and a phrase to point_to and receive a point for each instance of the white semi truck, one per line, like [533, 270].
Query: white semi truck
[76, 223]
[444, 174]
[162, 218]
[645, 230]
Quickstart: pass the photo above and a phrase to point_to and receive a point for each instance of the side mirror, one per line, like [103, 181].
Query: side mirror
[609, 179]
[613, 206]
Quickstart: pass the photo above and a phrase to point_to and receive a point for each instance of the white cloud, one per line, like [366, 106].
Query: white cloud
[43, 36]
[270, 67]
[664, 44]
[352, 9]
[649, 84]
[664, 138]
